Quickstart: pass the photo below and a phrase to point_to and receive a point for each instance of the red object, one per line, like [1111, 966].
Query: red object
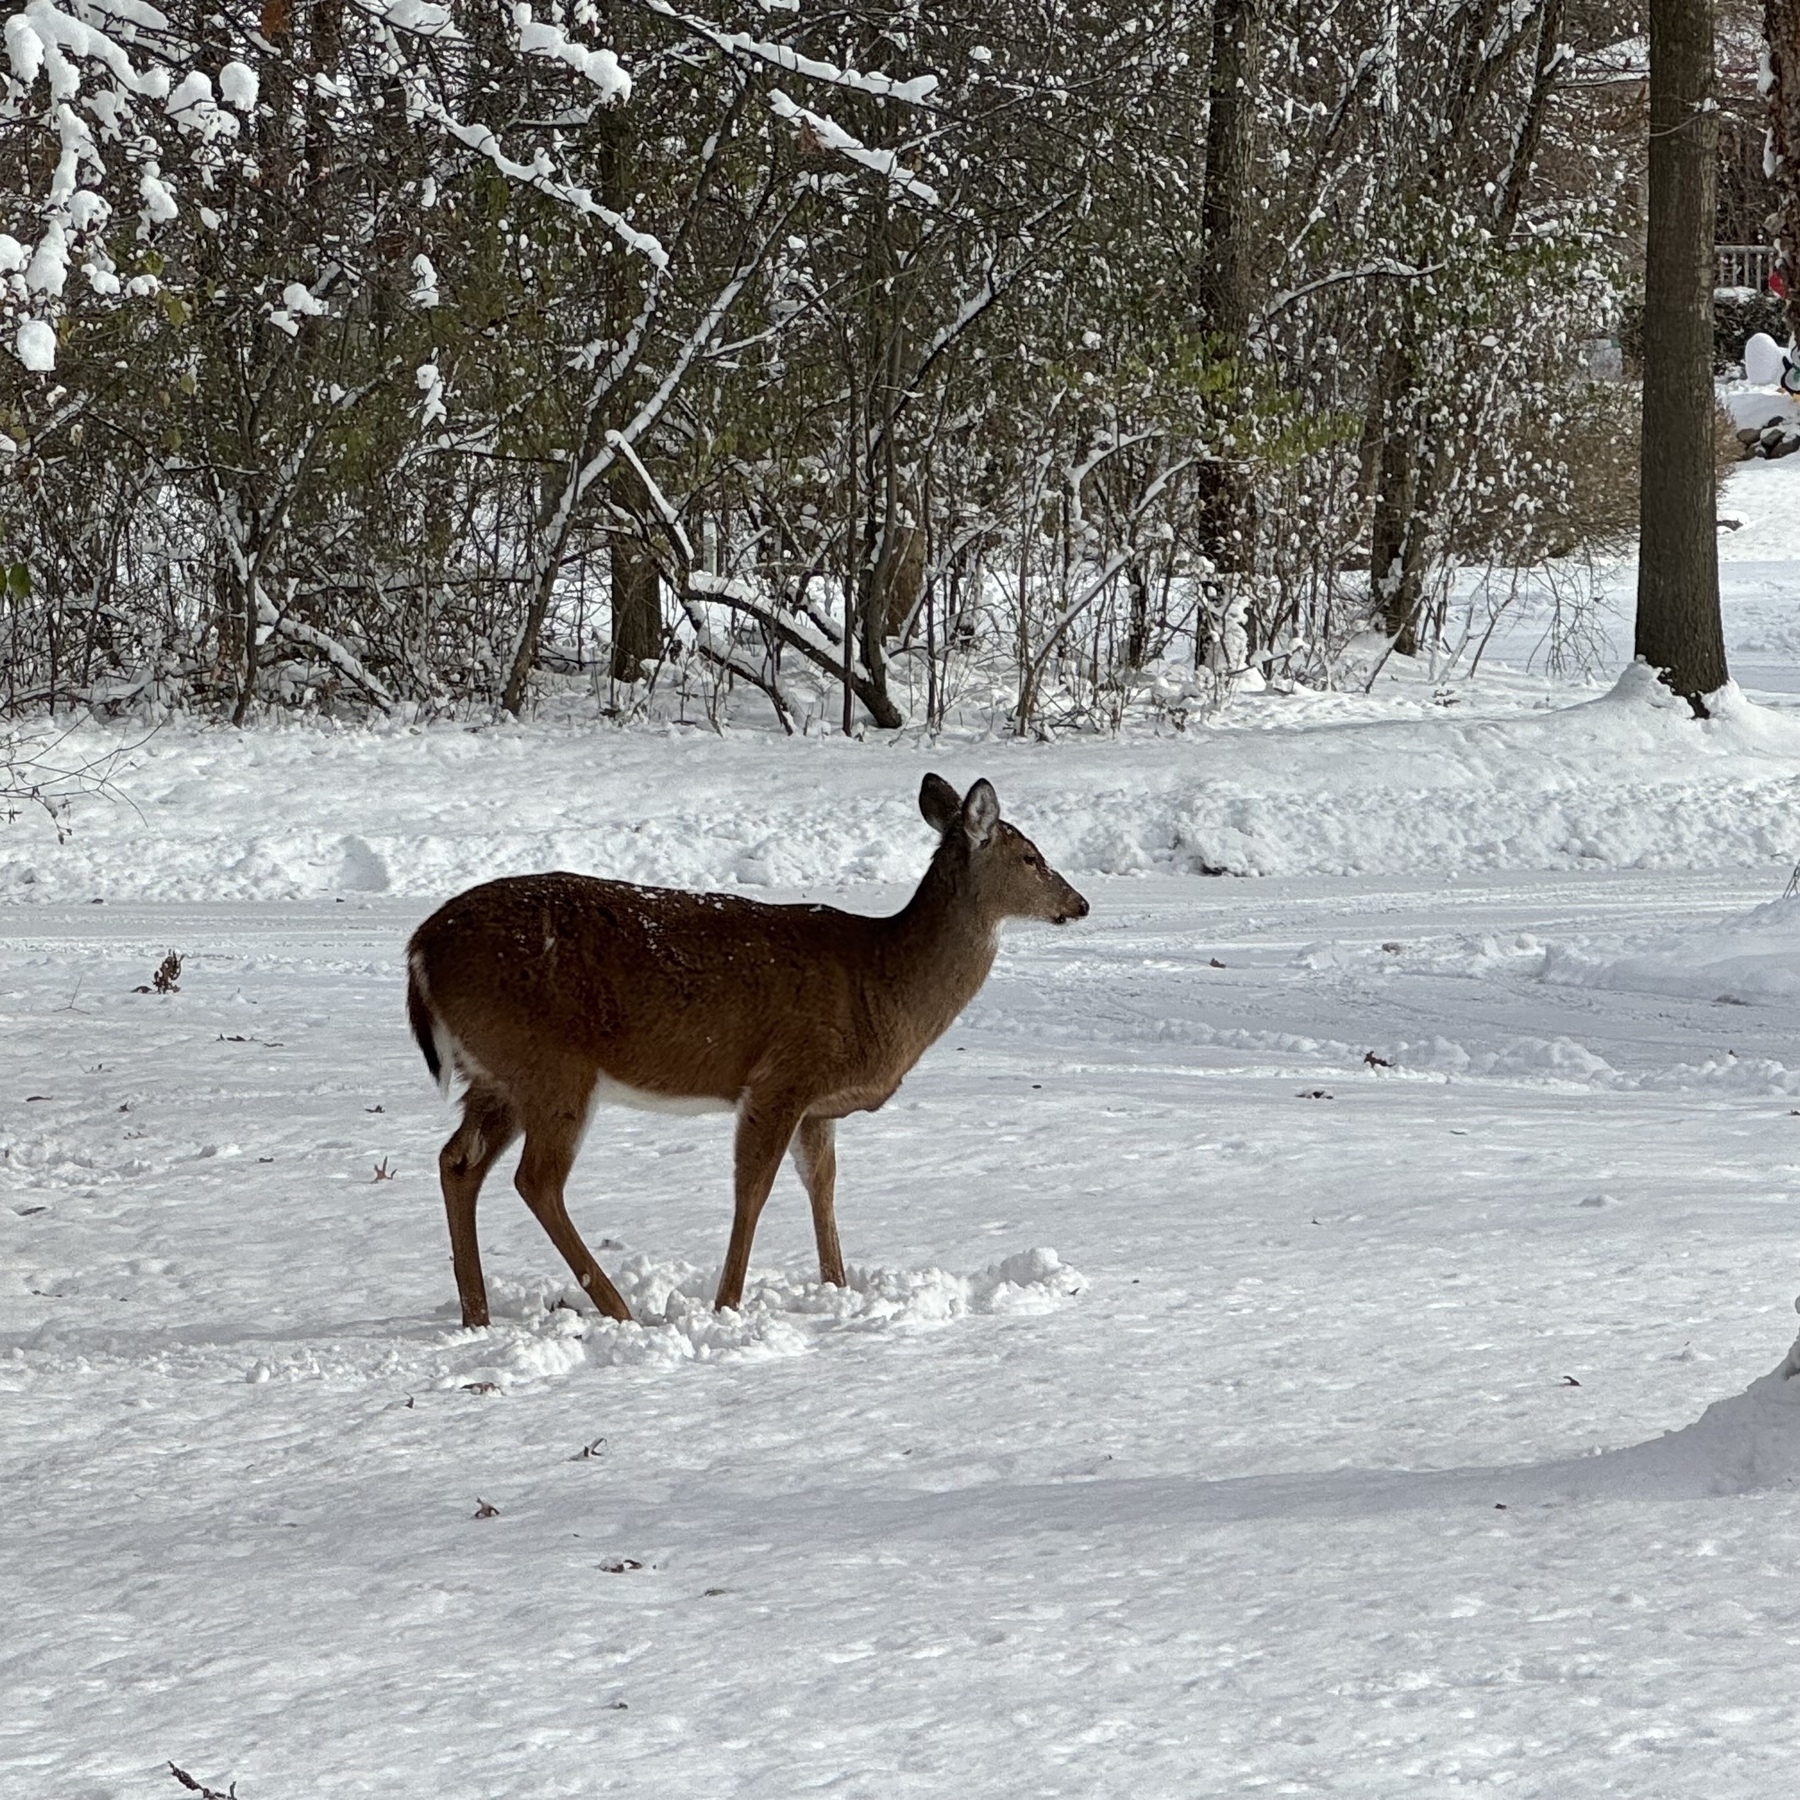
[1777, 284]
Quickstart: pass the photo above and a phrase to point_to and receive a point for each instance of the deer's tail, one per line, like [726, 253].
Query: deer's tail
[425, 1024]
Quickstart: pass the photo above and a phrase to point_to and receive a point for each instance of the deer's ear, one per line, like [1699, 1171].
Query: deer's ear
[980, 812]
[939, 802]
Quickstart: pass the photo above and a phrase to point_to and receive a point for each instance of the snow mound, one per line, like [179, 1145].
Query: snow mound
[1752, 960]
[1744, 1444]
[1563, 1059]
[782, 1315]
[1748, 1442]
[1764, 360]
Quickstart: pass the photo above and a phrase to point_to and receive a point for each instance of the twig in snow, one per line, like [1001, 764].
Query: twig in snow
[200, 1787]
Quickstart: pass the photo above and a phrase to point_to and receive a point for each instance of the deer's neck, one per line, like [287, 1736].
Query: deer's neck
[941, 949]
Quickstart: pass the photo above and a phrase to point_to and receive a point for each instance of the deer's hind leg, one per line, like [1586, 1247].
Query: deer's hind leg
[815, 1156]
[488, 1126]
[550, 1145]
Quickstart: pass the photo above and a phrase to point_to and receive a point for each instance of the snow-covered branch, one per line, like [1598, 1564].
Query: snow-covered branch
[826, 134]
[299, 632]
[539, 174]
[914, 91]
[1382, 269]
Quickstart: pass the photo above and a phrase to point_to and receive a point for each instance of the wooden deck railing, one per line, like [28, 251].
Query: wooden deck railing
[1745, 265]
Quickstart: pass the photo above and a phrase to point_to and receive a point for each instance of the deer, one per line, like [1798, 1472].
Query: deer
[551, 994]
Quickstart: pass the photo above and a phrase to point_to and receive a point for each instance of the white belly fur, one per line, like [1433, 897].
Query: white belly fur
[608, 1092]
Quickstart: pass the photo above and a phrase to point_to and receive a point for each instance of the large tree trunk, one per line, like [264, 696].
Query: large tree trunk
[1781, 27]
[904, 580]
[1678, 630]
[636, 611]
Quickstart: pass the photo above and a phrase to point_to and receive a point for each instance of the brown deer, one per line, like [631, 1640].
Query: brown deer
[551, 993]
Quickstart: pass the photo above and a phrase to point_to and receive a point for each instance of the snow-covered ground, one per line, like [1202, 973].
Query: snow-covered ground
[1401, 1409]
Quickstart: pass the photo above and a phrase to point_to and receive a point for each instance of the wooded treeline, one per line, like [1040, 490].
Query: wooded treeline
[884, 358]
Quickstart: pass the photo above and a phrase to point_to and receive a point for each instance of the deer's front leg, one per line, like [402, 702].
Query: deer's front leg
[815, 1156]
[765, 1125]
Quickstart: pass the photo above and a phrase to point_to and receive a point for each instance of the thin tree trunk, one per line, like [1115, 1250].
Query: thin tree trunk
[1548, 65]
[882, 536]
[637, 634]
[1678, 629]
[1137, 632]
[1403, 460]
[1223, 294]
[1394, 570]
[852, 555]
[244, 569]
[1222, 288]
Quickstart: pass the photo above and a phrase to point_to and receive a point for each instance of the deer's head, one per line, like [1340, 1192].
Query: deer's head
[999, 867]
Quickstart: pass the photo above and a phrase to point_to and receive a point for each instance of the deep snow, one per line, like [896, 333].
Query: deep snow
[1402, 1409]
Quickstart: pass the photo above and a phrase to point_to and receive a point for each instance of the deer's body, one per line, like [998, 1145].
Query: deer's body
[551, 994]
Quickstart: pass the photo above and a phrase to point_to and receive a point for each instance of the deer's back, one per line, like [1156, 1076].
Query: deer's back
[662, 991]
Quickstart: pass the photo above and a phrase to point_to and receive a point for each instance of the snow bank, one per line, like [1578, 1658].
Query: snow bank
[1749, 1441]
[1625, 780]
[1751, 959]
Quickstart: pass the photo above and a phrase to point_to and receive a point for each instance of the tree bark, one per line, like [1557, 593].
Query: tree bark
[1678, 629]
[1781, 29]
[636, 611]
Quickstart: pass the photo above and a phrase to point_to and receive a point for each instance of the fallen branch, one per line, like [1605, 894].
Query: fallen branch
[736, 595]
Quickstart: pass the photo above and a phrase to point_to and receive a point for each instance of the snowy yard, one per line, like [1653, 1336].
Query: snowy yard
[1402, 1199]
